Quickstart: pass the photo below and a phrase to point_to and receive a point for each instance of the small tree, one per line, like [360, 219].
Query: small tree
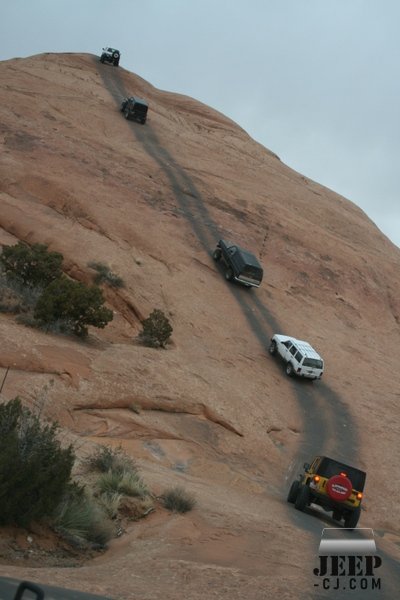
[34, 470]
[74, 304]
[156, 329]
[33, 266]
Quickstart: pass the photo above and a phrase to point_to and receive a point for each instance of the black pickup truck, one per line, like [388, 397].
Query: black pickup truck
[239, 265]
[134, 108]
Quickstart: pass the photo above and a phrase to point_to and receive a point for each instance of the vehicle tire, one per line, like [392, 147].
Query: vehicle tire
[229, 274]
[126, 113]
[102, 59]
[217, 254]
[116, 63]
[115, 55]
[337, 515]
[294, 490]
[272, 347]
[289, 369]
[143, 121]
[303, 498]
[352, 519]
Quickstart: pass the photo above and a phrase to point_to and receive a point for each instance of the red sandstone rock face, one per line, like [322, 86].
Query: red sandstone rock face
[213, 412]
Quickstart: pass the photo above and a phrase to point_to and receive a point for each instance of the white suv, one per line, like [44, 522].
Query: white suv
[301, 359]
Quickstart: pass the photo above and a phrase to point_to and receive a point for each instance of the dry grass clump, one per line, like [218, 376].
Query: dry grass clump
[81, 519]
[177, 499]
[110, 459]
[127, 483]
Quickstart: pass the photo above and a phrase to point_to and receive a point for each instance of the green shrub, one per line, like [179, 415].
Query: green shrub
[105, 275]
[73, 304]
[111, 459]
[156, 329]
[80, 517]
[34, 468]
[178, 500]
[33, 266]
[10, 302]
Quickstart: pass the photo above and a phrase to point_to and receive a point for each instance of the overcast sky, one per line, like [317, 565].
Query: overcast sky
[315, 81]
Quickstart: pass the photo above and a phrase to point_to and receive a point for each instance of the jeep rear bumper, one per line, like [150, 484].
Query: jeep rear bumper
[248, 282]
[330, 505]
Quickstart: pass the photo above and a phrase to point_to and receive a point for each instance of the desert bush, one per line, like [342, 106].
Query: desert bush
[28, 320]
[156, 329]
[15, 298]
[110, 503]
[132, 484]
[111, 459]
[105, 275]
[127, 483]
[80, 517]
[34, 469]
[10, 302]
[177, 499]
[33, 266]
[74, 304]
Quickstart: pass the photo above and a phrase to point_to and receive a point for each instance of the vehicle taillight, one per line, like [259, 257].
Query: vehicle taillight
[359, 496]
[316, 478]
[343, 474]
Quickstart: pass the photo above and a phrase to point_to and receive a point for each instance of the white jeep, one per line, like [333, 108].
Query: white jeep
[110, 55]
[300, 357]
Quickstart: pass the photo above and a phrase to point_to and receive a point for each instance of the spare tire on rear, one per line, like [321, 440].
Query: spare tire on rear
[339, 488]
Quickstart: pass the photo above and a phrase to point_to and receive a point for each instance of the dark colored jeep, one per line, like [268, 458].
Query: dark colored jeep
[134, 108]
[110, 55]
[336, 487]
[240, 265]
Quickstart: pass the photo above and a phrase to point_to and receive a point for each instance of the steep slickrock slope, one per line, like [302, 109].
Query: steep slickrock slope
[215, 412]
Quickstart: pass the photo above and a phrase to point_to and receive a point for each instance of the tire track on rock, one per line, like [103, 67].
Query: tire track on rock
[326, 419]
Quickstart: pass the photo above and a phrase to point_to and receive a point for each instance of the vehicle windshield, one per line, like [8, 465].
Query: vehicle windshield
[313, 362]
[328, 468]
[252, 273]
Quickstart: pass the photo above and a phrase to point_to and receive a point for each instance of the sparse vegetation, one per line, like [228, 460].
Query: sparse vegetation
[105, 275]
[15, 298]
[36, 484]
[72, 304]
[34, 469]
[111, 459]
[81, 519]
[177, 499]
[110, 503]
[127, 483]
[33, 266]
[119, 474]
[10, 302]
[156, 329]
[33, 286]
